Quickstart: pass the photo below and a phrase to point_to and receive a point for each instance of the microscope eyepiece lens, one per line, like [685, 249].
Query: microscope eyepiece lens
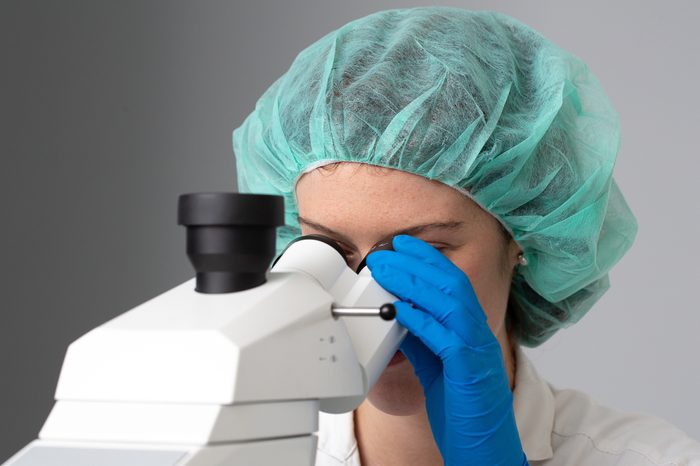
[382, 245]
[230, 238]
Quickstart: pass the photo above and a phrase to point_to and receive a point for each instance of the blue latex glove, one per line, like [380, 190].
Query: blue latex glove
[454, 354]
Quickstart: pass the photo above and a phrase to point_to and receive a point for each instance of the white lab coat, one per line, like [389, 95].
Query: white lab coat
[557, 428]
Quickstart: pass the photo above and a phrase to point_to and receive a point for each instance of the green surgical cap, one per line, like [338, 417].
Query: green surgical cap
[475, 100]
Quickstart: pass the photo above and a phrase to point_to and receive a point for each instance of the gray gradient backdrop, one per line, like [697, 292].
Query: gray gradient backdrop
[109, 110]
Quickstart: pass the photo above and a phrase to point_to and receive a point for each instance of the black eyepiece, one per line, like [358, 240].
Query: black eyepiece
[230, 237]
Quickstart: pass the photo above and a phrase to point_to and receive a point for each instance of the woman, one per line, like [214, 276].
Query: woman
[484, 153]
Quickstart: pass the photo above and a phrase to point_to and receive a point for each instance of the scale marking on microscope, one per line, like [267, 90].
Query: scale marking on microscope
[332, 358]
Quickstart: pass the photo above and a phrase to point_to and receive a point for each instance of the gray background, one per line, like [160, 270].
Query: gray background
[109, 110]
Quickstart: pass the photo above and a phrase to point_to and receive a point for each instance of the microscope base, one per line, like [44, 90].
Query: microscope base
[293, 451]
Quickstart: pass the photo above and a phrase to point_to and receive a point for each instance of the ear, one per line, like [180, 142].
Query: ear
[513, 252]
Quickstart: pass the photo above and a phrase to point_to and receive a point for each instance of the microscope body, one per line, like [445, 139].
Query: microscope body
[195, 379]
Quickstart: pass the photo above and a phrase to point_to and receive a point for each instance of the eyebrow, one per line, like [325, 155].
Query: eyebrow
[416, 229]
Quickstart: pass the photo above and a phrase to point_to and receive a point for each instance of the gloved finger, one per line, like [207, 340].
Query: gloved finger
[453, 284]
[457, 359]
[419, 249]
[425, 364]
[446, 309]
[462, 364]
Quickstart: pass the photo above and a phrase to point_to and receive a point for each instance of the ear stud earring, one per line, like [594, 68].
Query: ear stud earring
[521, 259]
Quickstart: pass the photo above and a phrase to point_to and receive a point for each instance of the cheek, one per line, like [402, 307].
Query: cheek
[491, 286]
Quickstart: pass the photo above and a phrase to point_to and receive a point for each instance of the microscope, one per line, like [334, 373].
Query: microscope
[231, 367]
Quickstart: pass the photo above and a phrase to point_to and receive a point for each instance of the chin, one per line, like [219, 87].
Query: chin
[398, 391]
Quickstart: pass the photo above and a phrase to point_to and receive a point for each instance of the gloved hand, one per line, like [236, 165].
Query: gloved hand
[454, 354]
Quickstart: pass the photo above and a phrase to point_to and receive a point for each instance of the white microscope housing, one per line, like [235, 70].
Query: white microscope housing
[193, 378]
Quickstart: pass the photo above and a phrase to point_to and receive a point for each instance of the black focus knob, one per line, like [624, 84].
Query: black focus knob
[387, 311]
[230, 237]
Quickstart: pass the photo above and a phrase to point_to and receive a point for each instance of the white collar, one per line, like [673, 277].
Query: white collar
[533, 405]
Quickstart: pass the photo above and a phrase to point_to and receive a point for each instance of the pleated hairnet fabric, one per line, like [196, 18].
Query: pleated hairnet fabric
[475, 100]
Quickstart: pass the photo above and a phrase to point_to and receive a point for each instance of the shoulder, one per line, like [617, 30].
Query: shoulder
[583, 428]
[561, 427]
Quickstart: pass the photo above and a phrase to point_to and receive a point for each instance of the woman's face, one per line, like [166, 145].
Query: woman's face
[358, 205]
